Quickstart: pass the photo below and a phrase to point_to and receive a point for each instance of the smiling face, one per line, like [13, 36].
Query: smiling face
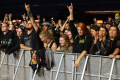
[62, 41]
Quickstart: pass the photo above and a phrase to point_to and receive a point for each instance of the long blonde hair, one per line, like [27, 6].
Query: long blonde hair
[47, 34]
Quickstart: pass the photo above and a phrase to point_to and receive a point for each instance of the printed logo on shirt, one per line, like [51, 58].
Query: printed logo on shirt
[82, 41]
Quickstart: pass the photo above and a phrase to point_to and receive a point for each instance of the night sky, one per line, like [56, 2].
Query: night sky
[55, 7]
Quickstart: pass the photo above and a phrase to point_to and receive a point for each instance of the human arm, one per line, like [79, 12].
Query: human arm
[27, 7]
[77, 62]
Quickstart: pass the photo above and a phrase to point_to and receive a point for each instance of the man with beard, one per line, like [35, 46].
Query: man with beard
[30, 39]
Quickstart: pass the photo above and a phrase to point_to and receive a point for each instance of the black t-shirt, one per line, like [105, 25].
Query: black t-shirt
[26, 39]
[31, 40]
[5, 40]
[82, 43]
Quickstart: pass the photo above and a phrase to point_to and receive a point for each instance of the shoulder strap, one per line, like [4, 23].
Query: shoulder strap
[51, 44]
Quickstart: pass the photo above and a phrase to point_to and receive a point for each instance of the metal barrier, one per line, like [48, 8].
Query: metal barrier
[92, 67]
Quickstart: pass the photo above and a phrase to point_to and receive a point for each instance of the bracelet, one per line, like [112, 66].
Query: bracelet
[29, 14]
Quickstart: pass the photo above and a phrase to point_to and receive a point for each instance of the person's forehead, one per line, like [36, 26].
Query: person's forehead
[93, 30]
[11, 25]
[69, 32]
[19, 29]
[4, 24]
[29, 22]
[113, 28]
[102, 29]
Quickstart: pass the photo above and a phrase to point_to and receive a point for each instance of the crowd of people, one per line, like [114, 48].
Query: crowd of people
[68, 36]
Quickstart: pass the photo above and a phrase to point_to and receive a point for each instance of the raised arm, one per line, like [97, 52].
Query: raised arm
[27, 7]
[10, 18]
[70, 8]
[6, 18]
[64, 24]
[71, 23]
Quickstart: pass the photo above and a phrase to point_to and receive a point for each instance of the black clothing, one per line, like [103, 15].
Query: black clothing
[15, 45]
[80, 43]
[31, 40]
[51, 44]
[6, 39]
[73, 29]
[104, 48]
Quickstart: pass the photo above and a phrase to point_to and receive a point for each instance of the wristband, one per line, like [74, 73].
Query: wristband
[29, 14]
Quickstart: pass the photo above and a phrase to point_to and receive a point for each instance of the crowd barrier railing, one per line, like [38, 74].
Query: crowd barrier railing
[92, 67]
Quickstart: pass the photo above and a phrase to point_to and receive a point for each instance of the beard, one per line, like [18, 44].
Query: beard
[29, 29]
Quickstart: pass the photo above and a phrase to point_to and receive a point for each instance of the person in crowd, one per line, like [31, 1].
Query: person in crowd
[48, 40]
[94, 31]
[82, 39]
[44, 20]
[60, 23]
[70, 36]
[45, 26]
[65, 44]
[88, 27]
[6, 36]
[108, 25]
[100, 45]
[11, 27]
[107, 47]
[15, 44]
[114, 38]
[30, 38]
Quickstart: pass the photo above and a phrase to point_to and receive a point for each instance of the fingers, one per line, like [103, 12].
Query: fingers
[76, 65]
[25, 4]
[67, 6]
[71, 5]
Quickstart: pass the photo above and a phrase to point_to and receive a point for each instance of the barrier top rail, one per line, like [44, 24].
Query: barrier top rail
[73, 53]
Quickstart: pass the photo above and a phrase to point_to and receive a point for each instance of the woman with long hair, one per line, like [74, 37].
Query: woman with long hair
[48, 40]
[65, 45]
[81, 35]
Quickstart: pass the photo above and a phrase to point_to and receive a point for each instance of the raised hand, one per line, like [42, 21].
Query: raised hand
[38, 17]
[109, 19]
[10, 16]
[96, 38]
[95, 20]
[27, 7]
[70, 8]
[6, 16]
[23, 16]
[27, 18]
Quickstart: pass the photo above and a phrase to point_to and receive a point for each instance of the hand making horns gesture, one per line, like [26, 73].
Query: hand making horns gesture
[27, 7]
[70, 8]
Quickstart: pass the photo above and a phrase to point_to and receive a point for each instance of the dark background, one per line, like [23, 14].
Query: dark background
[58, 9]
